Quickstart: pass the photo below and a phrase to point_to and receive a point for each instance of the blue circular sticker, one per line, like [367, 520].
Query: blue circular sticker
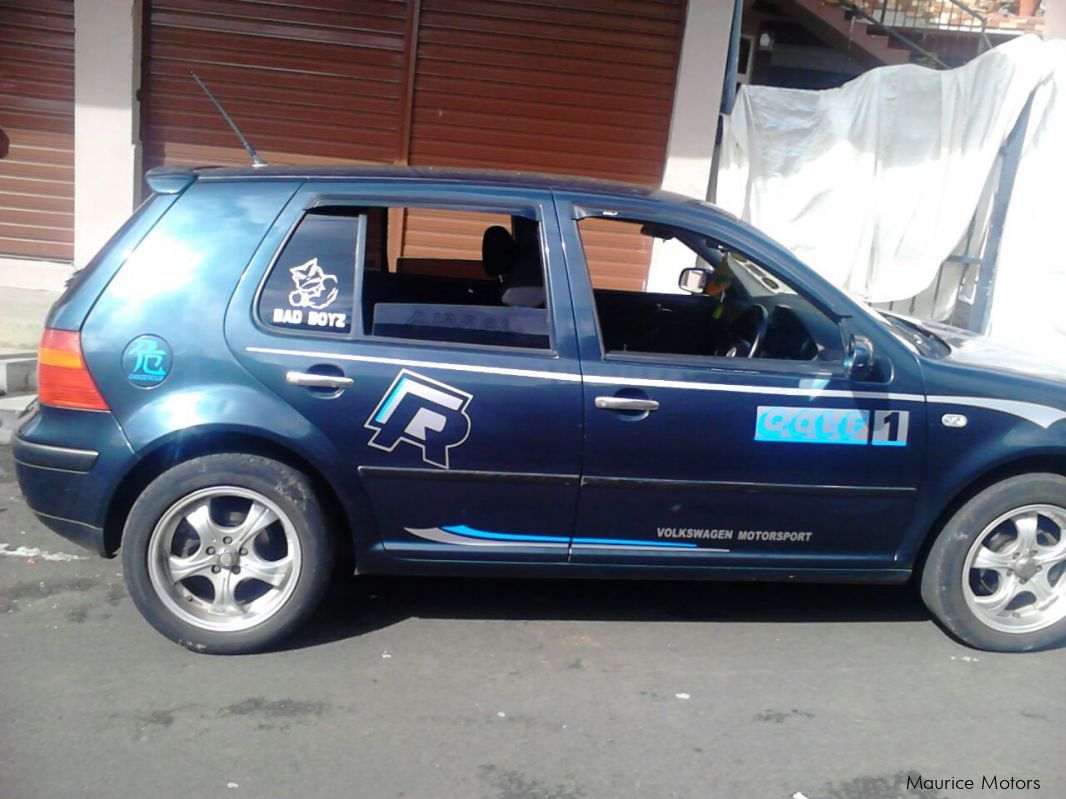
[146, 361]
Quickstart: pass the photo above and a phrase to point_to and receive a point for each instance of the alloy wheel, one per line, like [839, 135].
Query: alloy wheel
[1013, 576]
[224, 558]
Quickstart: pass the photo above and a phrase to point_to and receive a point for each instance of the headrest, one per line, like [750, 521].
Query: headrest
[524, 285]
[497, 251]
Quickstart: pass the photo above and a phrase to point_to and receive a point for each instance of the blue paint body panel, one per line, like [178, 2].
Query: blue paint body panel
[453, 458]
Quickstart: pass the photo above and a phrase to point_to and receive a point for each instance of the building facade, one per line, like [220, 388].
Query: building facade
[95, 92]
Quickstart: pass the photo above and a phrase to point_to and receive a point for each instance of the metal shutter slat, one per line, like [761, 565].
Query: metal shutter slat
[37, 114]
[580, 88]
[306, 83]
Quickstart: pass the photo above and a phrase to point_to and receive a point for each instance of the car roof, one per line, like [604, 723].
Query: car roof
[434, 174]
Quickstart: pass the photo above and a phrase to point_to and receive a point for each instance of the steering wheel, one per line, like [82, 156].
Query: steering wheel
[748, 331]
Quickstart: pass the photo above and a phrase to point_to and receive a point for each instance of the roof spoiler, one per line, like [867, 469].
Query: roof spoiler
[170, 179]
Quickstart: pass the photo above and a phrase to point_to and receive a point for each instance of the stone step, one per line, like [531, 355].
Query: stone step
[18, 373]
[10, 408]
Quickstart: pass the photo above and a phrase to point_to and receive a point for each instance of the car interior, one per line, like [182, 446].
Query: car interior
[498, 299]
[729, 307]
[501, 298]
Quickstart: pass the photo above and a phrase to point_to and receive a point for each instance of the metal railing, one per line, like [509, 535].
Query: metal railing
[929, 16]
[860, 12]
[911, 23]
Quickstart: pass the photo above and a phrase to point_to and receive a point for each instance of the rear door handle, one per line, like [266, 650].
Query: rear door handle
[626, 404]
[311, 380]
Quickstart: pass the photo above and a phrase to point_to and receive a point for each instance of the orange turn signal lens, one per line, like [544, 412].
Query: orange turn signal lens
[63, 380]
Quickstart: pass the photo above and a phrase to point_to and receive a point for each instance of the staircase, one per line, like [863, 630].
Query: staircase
[958, 32]
[936, 33]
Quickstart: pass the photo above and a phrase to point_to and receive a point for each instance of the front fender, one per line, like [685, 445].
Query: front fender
[992, 443]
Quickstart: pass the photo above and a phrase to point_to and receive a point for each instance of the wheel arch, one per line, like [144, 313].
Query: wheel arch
[1053, 463]
[212, 440]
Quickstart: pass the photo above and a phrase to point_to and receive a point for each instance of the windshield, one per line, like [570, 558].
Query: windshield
[921, 338]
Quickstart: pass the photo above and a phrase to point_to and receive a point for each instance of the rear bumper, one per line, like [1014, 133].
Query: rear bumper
[84, 535]
[68, 464]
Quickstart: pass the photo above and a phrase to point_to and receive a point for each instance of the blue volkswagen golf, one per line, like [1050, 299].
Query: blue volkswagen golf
[455, 372]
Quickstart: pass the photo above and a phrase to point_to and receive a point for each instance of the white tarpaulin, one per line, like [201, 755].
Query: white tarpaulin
[1029, 298]
[873, 184]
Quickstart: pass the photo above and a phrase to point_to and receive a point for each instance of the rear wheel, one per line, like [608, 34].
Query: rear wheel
[996, 574]
[227, 553]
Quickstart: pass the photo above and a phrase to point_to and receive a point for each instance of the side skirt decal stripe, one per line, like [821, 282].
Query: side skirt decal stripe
[468, 536]
[463, 530]
[443, 536]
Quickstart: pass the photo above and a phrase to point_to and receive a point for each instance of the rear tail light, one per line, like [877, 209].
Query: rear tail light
[63, 380]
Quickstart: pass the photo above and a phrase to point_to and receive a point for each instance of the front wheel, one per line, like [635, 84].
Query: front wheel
[227, 553]
[996, 574]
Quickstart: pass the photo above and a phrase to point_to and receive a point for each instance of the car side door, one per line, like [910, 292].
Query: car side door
[458, 417]
[696, 459]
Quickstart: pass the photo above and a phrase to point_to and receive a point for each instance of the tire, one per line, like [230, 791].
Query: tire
[982, 580]
[251, 540]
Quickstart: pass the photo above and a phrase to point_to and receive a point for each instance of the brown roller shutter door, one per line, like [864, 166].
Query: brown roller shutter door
[577, 88]
[37, 116]
[583, 87]
[314, 82]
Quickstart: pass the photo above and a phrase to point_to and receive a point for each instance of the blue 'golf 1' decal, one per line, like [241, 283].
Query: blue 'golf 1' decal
[146, 361]
[422, 412]
[832, 426]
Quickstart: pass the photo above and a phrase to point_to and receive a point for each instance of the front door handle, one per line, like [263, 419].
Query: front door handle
[626, 404]
[311, 380]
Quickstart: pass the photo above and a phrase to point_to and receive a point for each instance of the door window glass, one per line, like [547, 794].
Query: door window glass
[726, 305]
[457, 277]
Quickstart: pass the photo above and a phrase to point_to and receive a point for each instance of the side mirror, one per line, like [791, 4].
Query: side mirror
[693, 280]
[860, 359]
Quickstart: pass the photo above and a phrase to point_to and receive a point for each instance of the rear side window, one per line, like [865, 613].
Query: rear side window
[312, 283]
[455, 276]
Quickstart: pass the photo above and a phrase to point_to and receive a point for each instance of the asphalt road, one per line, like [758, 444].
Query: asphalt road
[458, 689]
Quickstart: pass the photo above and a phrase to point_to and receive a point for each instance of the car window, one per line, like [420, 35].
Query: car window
[461, 277]
[311, 285]
[730, 305]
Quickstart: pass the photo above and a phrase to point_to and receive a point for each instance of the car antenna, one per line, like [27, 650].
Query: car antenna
[256, 160]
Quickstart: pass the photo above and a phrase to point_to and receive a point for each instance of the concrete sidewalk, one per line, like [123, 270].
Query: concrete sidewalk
[22, 315]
